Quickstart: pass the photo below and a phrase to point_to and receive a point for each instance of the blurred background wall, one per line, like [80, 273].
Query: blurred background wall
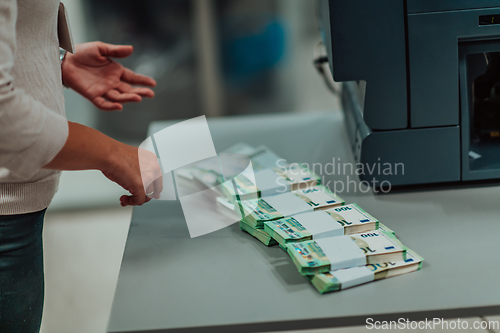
[212, 57]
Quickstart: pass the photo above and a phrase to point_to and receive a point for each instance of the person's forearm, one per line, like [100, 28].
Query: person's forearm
[85, 149]
[137, 171]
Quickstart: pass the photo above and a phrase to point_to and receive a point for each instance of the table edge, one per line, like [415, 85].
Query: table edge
[320, 323]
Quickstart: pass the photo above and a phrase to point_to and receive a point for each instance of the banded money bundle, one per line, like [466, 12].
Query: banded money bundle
[327, 254]
[236, 159]
[227, 208]
[355, 276]
[260, 234]
[261, 157]
[335, 246]
[253, 185]
[340, 221]
[256, 212]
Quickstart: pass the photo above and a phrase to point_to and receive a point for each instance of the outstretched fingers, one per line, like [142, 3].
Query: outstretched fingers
[122, 97]
[133, 78]
[115, 51]
[143, 92]
[105, 105]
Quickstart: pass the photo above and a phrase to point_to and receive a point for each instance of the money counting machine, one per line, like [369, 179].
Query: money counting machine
[421, 85]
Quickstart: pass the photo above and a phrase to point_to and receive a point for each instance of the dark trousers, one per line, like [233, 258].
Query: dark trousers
[21, 272]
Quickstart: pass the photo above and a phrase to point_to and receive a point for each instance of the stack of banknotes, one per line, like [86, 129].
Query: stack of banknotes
[268, 182]
[354, 276]
[257, 211]
[266, 175]
[326, 254]
[334, 244]
[260, 234]
[326, 223]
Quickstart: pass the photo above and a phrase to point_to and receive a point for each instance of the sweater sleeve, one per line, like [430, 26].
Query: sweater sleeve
[31, 135]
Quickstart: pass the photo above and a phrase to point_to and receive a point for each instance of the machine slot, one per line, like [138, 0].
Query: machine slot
[480, 104]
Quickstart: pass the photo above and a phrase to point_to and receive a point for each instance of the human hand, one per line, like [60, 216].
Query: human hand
[137, 171]
[106, 83]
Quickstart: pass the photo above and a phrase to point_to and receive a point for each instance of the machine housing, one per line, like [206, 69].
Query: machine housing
[421, 85]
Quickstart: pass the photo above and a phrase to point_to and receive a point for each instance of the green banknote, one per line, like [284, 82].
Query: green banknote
[287, 230]
[260, 234]
[355, 276]
[324, 255]
[339, 221]
[256, 212]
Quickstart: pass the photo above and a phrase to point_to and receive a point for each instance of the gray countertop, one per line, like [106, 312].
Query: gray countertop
[227, 281]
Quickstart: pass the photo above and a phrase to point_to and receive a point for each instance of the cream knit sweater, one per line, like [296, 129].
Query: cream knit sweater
[33, 127]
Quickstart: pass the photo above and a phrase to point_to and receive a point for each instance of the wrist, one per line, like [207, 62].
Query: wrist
[108, 159]
[86, 149]
[62, 58]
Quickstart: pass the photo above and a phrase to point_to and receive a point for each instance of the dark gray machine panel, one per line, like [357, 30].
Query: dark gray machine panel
[433, 45]
[480, 155]
[422, 6]
[415, 58]
[427, 155]
[366, 41]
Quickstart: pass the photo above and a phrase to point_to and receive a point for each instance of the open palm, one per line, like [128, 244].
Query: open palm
[106, 83]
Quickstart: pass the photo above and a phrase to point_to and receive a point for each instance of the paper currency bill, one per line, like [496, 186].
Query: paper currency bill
[324, 255]
[355, 276]
[259, 234]
[339, 221]
[269, 182]
[256, 212]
